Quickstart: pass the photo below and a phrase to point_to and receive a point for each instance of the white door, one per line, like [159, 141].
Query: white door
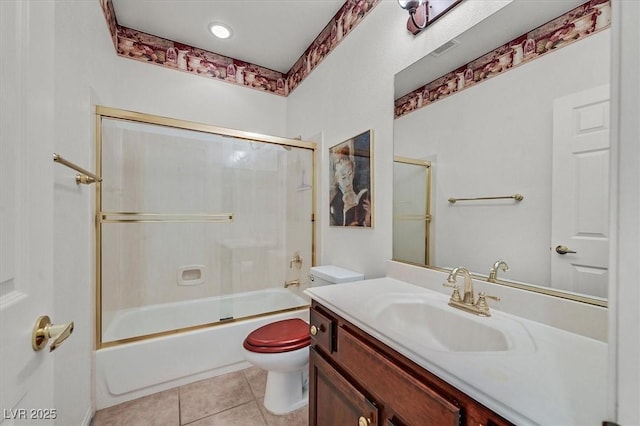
[580, 194]
[26, 209]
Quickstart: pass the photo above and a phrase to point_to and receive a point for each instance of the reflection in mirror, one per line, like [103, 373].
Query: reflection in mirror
[530, 117]
[411, 209]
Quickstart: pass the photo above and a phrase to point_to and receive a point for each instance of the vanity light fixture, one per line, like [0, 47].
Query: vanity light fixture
[220, 30]
[412, 6]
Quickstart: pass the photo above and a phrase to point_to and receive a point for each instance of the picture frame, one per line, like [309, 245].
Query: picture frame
[351, 182]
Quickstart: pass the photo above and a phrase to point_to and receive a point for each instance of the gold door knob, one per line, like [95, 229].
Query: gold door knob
[44, 330]
[363, 421]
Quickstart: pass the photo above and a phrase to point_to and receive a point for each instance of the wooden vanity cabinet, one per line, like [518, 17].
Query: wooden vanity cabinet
[336, 400]
[354, 379]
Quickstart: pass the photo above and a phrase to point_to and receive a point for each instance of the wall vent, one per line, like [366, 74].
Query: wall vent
[445, 47]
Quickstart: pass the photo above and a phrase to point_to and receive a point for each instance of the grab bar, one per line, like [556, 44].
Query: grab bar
[83, 176]
[517, 197]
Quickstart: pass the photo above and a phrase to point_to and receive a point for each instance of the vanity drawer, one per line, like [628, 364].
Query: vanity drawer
[417, 403]
[322, 329]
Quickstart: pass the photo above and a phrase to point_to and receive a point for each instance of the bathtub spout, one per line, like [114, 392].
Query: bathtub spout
[288, 284]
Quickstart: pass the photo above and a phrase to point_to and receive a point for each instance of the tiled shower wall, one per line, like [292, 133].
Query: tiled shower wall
[187, 172]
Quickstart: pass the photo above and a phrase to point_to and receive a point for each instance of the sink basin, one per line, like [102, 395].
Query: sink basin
[433, 325]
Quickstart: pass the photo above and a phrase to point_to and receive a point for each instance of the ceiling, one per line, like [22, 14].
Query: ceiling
[270, 33]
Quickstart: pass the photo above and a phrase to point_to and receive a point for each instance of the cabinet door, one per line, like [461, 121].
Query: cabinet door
[415, 403]
[333, 400]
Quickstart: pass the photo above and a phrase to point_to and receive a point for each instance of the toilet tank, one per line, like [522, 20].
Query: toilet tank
[329, 274]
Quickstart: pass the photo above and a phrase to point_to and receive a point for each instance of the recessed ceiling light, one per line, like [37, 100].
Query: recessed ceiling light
[219, 30]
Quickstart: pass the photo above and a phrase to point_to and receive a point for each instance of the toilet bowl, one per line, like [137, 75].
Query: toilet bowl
[282, 348]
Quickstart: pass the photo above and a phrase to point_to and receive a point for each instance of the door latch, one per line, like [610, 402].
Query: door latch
[44, 330]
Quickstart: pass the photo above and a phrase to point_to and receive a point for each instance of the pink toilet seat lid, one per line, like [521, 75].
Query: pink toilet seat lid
[280, 336]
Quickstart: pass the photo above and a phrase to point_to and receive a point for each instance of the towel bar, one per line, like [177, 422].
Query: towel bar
[517, 197]
[83, 176]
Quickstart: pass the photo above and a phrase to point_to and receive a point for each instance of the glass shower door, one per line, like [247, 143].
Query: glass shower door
[196, 227]
[411, 210]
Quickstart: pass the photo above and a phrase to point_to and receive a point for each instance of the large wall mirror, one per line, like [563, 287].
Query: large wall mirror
[518, 104]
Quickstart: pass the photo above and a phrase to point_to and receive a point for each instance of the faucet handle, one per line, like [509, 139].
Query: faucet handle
[496, 298]
[450, 283]
[296, 261]
[455, 296]
[482, 304]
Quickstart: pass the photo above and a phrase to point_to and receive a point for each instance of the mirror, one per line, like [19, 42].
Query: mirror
[520, 111]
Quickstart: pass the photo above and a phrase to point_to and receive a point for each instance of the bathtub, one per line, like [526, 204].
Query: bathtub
[152, 319]
[132, 370]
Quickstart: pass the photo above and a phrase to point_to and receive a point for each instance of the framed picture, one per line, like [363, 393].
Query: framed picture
[350, 179]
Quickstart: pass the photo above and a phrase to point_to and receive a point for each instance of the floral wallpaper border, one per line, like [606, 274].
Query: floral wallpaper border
[581, 22]
[137, 45]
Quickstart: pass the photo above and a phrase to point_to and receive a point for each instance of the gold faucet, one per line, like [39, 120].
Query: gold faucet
[288, 284]
[468, 298]
[467, 302]
[493, 274]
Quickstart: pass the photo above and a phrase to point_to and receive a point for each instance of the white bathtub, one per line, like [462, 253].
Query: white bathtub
[152, 319]
[136, 369]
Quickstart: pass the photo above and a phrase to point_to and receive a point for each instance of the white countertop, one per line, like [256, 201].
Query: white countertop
[557, 378]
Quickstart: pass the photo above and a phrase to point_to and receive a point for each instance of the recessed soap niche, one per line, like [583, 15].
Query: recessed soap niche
[191, 274]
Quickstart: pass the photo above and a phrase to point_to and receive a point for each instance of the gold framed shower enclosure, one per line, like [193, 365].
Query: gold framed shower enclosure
[412, 211]
[142, 217]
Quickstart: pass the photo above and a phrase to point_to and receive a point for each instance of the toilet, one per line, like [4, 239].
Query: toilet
[282, 348]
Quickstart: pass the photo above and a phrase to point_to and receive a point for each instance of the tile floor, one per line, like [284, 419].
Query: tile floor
[230, 400]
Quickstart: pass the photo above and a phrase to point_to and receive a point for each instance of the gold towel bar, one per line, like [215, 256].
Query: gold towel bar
[517, 197]
[139, 217]
[83, 176]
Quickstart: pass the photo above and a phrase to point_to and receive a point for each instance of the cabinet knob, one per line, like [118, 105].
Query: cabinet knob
[363, 421]
[314, 330]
